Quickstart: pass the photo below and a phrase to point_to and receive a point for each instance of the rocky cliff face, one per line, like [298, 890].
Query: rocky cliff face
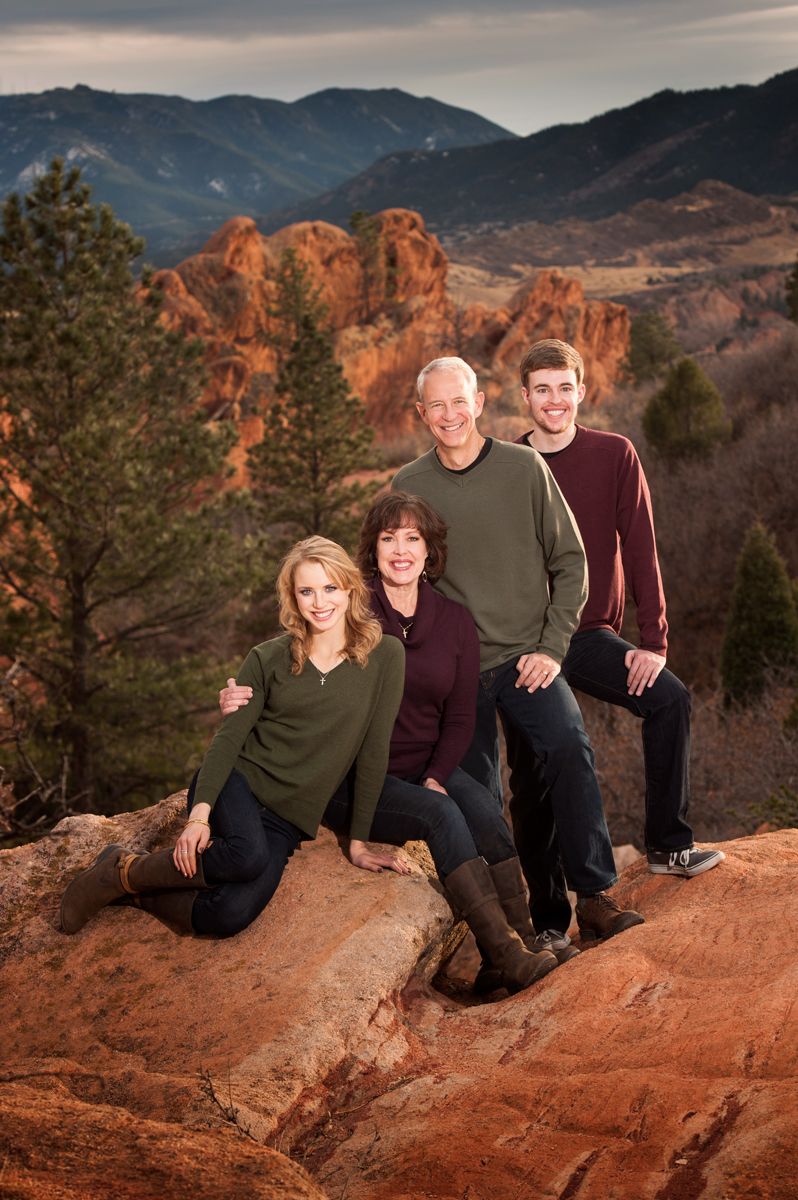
[390, 311]
[660, 1066]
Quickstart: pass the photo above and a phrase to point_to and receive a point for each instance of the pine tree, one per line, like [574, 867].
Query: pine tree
[112, 546]
[652, 347]
[366, 230]
[686, 418]
[762, 626]
[315, 433]
[791, 293]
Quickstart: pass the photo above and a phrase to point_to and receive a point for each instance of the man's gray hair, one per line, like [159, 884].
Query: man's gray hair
[455, 366]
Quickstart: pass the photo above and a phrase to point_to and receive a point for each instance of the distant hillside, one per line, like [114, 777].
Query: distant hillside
[745, 136]
[176, 169]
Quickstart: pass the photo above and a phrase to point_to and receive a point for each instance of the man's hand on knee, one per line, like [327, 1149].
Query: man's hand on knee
[643, 666]
[233, 697]
[536, 671]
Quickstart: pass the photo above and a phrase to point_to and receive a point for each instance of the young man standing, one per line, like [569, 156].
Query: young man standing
[516, 561]
[601, 478]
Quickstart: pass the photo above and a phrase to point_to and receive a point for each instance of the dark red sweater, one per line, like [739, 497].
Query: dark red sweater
[603, 483]
[436, 717]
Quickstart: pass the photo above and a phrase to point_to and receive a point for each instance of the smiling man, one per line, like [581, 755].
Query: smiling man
[516, 561]
[602, 480]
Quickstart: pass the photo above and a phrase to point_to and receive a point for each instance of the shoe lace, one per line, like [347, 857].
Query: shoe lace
[605, 901]
[550, 937]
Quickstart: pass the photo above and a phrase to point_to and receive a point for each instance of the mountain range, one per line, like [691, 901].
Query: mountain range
[745, 136]
[175, 169]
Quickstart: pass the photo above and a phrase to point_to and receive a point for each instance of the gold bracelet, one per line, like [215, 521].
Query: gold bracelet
[198, 821]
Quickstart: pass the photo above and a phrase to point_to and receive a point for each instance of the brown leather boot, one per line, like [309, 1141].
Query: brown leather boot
[157, 872]
[115, 872]
[599, 917]
[92, 889]
[172, 909]
[470, 889]
[508, 880]
[511, 890]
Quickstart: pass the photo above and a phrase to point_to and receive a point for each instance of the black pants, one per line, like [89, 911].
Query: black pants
[245, 861]
[595, 665]
[466, 824]
[548, 727]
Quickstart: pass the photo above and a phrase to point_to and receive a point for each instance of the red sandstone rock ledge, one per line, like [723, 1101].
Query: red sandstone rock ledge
[661, 1065]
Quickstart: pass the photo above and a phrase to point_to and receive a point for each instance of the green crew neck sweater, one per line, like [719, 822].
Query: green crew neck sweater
[515, 559]
[296, 740]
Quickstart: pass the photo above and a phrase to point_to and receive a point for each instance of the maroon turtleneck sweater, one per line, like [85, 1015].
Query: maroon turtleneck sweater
[603, 483]
[436, 717]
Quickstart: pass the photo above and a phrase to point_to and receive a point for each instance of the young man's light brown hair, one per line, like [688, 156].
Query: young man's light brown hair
[552, 355]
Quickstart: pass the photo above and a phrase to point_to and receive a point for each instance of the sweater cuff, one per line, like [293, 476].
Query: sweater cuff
[557, 655]
[438, 770]
[360, 830]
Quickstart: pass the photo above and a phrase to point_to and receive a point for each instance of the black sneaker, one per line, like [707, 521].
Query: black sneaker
[688, 862]
[599, 917]
[558, 943]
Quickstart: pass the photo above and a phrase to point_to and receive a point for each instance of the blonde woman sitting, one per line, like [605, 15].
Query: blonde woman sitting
[324, 698]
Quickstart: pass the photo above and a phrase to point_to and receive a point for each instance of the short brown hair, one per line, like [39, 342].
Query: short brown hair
[396, 510]
[553, 355]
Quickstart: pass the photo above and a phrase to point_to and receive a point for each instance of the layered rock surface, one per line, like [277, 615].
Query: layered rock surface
[391, 312]
[196, 1033]
[660, 1065]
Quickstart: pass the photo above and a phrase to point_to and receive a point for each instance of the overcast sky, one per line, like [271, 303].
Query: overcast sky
[525, 64]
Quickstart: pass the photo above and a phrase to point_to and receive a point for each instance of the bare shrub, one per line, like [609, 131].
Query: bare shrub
[754, 382]
[740, 759]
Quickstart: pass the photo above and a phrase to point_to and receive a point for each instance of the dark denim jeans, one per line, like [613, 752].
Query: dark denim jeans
[595, 665]
[245, 861]
[466, 824]
[548, 727]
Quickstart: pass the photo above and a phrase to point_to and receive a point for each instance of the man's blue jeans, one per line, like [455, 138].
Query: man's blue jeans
[595, 665]
[548, 726]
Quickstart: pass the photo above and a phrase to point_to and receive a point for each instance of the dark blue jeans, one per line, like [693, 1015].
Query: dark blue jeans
[548, 727]
[466, 824]
[245, 861]
[595, 665]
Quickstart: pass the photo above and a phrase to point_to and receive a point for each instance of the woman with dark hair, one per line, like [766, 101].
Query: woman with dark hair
[324, 698]
[426, 796]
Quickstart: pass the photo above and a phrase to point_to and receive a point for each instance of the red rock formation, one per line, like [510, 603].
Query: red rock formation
[144, 1020]
[390, 315]
[662, 1065]
[56, 1147]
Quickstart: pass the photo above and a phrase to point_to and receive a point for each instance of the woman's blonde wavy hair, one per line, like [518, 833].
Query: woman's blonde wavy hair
[363, 632]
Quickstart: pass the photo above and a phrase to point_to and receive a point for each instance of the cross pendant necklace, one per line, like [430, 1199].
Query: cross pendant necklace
[405, 629]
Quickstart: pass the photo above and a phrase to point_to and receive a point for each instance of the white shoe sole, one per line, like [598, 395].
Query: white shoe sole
[688, 872]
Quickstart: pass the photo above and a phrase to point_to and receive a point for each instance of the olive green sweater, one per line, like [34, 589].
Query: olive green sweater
[296, 740]
[515, 558]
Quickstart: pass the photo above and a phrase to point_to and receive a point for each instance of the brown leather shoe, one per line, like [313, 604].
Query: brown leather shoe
[599, 917]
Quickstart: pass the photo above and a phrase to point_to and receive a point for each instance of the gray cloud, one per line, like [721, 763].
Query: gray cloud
[313, 16]
[522, 63]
